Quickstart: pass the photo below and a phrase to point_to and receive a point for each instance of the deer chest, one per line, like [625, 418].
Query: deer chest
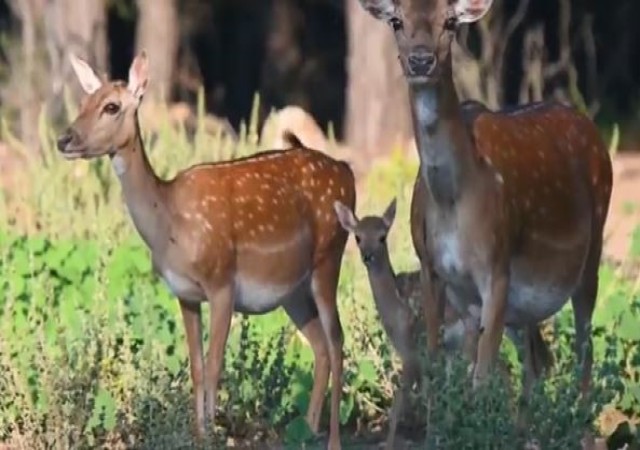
[448, 260]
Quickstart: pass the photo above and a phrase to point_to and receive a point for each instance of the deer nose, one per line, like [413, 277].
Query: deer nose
[421, 61]
[64, 140]
[367, 257]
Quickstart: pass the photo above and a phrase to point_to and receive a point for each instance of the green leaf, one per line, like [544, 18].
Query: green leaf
[346, 408]
[104, 411]
[297, 431]
[628, 328]
[367, 373]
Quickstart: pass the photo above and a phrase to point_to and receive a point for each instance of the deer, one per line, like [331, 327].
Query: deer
[246, 235]
[509, 205]
[392, 295]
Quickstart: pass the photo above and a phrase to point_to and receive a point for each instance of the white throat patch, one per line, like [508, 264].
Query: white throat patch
[119, 165]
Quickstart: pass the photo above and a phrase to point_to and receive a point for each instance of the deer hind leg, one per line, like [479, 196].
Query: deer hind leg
[304, 314]
[221, 311]
[324, 286]
[193, 328]
[583, 301]
[537, 357]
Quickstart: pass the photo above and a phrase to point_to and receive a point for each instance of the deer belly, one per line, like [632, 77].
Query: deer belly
[259, 296]
[534, 302]
[182, 287]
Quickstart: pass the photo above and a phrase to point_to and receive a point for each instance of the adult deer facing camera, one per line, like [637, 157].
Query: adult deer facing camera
[248, 235]
[509, 206]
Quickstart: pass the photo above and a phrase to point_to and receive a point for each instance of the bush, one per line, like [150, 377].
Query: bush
[93, 352]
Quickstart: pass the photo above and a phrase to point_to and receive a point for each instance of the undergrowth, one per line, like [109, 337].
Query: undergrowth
[93, 351]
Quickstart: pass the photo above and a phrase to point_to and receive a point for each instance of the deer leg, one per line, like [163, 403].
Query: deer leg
[410, 374]
[193, 329]
[538, 357]
[433, 307]
[324, 286]
[304, 314]
[494, 303]
[221, 310]
[583, 301]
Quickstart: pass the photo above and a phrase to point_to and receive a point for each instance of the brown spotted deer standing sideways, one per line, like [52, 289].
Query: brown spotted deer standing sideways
[393, 298]
[248, 235]
[509, 206]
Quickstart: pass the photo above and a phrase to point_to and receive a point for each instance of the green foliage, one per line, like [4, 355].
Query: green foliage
[93, 352]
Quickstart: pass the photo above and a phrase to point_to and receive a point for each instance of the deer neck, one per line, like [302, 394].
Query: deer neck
[383, 287]
[446, 162]
[142, 189]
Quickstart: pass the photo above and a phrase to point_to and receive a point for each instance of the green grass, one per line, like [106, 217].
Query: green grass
[93, 351]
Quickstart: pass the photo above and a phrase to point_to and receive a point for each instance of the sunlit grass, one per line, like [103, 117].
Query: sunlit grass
[92, 348]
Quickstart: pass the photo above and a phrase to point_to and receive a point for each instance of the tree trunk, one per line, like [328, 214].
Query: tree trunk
[79, 27]
[29, 110]
[157, 33]
[378, 115]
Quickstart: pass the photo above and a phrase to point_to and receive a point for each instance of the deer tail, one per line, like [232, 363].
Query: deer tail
[291, 139]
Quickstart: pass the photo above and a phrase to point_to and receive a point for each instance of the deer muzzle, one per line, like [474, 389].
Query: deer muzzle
[67, 144]
[421, 62]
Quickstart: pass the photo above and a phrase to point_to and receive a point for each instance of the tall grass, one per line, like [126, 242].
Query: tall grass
[93, 352]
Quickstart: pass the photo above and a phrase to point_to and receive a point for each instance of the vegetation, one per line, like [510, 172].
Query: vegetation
[93, 353]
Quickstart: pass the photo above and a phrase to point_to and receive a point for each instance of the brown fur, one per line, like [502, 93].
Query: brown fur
[248, 235]
[509, 206]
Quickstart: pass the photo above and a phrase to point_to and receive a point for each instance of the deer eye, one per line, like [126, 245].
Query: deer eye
[383, 238]
[395, 23]
[111, 108]
[357, 239]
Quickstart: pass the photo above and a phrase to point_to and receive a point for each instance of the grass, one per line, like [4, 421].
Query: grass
[93, 352]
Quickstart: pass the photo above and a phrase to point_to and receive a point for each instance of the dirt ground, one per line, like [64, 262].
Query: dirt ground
[624, 212]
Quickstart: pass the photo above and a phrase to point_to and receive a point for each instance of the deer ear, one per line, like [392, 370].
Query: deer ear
[389, 214]
[139, 75]
[87, 77]
[469, 11]
[346, 217]
[380, 9]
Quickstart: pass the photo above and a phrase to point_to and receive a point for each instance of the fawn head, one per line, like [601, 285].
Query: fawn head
[107, 119]
[424, 30]
[370, 232]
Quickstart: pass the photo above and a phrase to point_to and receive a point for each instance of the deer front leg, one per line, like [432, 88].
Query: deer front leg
[221, 310]
[494, 304]
[410, 373]
[402, 333]
[433, 307]
[193, 328]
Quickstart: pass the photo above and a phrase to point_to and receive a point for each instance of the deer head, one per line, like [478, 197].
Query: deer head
[424, 30]
[370, 233]
[107, 121]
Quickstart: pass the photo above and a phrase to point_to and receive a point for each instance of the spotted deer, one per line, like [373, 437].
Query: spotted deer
[509, 206]
[246, 235]
[392, 295]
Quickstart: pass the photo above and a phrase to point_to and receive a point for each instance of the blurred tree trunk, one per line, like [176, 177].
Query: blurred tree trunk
[29, 12]
[79, 27]
[378, 114]
[157, 33]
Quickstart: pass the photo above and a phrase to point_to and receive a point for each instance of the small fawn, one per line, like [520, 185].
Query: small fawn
[509, 206]
[248, 235]
[392, 295]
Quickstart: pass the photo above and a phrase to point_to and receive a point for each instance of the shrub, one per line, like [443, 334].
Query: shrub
[93, 352]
